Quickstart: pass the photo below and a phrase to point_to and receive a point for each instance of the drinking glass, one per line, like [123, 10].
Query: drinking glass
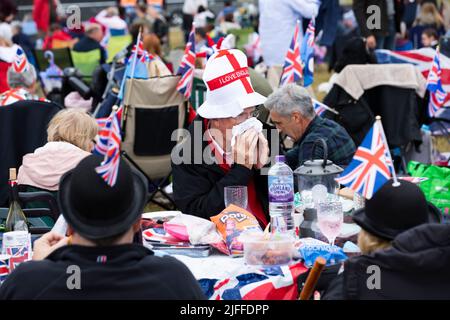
[329, 219]
[236, 195]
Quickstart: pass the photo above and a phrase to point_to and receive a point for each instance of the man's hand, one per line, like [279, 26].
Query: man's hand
[48, 243]
[244, 150]
[263, 151]
[371, 42]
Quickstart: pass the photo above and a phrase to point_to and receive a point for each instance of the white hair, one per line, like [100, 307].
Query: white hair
[290, 98]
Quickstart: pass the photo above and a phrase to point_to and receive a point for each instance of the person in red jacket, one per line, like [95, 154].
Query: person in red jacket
[44, 13]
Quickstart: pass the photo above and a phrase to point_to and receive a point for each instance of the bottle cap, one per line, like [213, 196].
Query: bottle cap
[280, 158]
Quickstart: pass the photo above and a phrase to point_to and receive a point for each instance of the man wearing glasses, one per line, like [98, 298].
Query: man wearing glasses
[212, 159]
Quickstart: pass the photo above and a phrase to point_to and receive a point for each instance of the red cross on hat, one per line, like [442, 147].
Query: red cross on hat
[229, 89]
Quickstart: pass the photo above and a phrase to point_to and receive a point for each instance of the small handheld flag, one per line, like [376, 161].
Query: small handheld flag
[372, 164]
[104, 124]
[292, 69]
[109, 167]
[438, 96]
[187, 66]
[320, 108]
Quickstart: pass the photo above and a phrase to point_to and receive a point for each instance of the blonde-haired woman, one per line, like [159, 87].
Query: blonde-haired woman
[428, 18]
[405, 250]
[70, 136]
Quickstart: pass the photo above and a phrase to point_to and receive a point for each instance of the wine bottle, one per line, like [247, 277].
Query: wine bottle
[16, 220]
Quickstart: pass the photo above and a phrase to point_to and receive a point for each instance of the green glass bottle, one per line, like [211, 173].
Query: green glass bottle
[16, 220]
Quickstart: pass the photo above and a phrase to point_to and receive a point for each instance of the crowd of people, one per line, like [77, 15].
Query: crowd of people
[413, 249]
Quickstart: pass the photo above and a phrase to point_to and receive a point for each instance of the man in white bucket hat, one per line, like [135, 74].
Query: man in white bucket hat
[200, 174]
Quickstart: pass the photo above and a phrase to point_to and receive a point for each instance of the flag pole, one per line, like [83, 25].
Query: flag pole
[383, 136]
[133, 68]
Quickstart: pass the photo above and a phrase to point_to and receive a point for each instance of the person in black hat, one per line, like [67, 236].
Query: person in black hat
[98, 260]
[405, 250]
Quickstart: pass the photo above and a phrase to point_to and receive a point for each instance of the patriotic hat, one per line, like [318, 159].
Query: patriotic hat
[94, 209]
[393, 210]
[229, 90]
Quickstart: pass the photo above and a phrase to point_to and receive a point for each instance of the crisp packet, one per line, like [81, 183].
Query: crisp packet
[230, 223]
[310, 249]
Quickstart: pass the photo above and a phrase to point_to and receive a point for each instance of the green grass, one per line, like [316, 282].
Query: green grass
[321, 74]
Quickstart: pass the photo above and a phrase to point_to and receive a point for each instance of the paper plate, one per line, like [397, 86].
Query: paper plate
[160, 214]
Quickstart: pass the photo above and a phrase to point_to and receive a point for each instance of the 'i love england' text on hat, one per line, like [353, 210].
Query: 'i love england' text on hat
[229, 90]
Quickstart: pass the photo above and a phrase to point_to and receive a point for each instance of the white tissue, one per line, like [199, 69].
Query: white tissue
[244, 126]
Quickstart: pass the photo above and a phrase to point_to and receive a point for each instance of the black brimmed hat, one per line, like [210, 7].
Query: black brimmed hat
[94, 209]
[393, 210]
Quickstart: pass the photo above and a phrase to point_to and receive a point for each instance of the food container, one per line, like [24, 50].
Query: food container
[267, 250]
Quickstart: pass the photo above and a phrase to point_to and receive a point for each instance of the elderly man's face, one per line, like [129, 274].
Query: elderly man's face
[226, 124]
[293, 126]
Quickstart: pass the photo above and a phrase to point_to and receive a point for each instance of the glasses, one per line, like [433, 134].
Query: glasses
[246, 115]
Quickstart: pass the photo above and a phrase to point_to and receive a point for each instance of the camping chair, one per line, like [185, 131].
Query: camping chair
[86, 62]
[63, 58]
[154, 109]
[42, 218]
[362, 92]
[24, 129]
[198, 93]
[242, 36]
[116, 44]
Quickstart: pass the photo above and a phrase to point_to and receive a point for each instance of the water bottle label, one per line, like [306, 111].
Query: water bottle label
[281, 189]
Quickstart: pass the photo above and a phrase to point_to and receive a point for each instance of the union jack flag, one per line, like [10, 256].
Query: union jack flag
[104, 124]
[320, 108]
[17, 256]
[371, 166]
[438, 96]
[420, 58]
[187, 66]
[20, 61]
[142, 54]
[4, 270]
[109, 167]
[307, 54]
[276, 283]
[292, 69]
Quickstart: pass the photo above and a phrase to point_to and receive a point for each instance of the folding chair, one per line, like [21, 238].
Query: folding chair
[116, 44]
[41, 217]
[154, 109]
[63, 58]
[393, 91]
[86, 62]
[198, 93]
[24, 129]
[41, 200]
[35, 217]
[242, 36]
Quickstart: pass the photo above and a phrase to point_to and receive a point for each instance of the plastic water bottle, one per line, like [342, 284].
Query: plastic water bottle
[281, 197]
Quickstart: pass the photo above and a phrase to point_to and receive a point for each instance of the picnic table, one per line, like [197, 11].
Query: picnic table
[226, 278]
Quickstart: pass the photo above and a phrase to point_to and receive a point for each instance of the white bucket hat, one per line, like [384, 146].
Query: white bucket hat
[229, 90]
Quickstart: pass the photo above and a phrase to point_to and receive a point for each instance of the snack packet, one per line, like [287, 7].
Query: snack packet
[230, 223]
[310, 249]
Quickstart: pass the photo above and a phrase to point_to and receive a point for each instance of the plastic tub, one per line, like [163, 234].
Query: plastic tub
[276, 250]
